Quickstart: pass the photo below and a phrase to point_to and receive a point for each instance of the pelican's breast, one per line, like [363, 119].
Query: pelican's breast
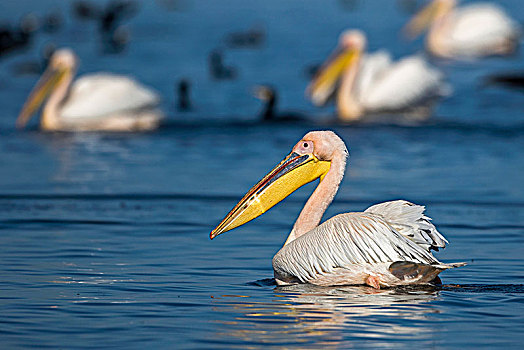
[100, 95]
[372, 67]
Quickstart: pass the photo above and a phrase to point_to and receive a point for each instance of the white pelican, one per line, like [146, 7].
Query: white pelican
[371, 83]
[466, 32]
[93, 102]
[387, 245]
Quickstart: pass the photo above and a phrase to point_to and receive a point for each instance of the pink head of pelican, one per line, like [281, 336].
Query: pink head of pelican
[59, 73]
[346, 56]
[99, 101]
[388, 244]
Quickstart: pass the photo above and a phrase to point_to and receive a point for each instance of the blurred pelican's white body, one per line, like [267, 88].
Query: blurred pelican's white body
[408, 84]
[110, 102]
[372, 83]
[476, 30]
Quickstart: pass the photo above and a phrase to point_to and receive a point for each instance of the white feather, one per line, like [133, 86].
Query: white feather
[408, 83]
[372, 66]
[409, 220]
[477, 29]
[345, 241]
[102, 94]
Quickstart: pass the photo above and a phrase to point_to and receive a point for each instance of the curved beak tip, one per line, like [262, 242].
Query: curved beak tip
[214, 233]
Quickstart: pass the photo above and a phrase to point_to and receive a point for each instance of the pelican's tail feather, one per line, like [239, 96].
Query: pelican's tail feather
[416, 273]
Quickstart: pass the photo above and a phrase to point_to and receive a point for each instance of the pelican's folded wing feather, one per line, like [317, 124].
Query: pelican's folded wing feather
[344, 241]
[409, 220]
[409, 83]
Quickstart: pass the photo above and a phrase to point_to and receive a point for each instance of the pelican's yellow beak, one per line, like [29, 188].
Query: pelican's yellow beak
[292, 172]
[324, 83]
[423, 19]
[45, 85]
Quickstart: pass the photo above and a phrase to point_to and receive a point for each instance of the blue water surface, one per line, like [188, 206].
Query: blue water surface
[104, 237]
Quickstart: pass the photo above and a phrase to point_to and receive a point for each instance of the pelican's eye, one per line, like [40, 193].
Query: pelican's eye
[304, 147]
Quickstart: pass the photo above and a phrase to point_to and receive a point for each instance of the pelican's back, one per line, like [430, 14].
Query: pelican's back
[476, 29]
[100, 95]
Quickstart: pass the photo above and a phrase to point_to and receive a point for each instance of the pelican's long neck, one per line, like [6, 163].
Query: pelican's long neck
[436, 38]
[321, 198]
[348, 106]
[51, 114]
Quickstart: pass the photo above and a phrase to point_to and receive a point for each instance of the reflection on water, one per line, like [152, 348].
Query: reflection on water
[331, 317]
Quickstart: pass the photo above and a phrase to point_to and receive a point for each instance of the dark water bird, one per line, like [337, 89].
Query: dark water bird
[182, 91]
[38, 66]
[114, 35]
[408, 6]
[84, 10]
[251, 38]
[349, 5]
[269, 95]
[511, 80]
[217, 69]
[52, 22]
[15, 38]
[115, 12]
[311, 70]
[116, 41]
[109, 17]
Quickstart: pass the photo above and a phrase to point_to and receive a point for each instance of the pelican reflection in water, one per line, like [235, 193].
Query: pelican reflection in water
[99, 101]
[476, 30]
[371, 83]
[387, 245]
[330, 317]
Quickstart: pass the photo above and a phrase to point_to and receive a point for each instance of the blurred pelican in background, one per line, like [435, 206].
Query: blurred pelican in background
[93, 102]
[387, 245]
[465, 32]
[372, 83]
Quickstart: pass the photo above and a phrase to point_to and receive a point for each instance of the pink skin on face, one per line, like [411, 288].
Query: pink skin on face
[304, 147]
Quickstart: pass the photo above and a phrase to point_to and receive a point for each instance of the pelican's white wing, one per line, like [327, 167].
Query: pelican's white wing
[372, 67]
[478, 28]
[409, 220]
[409, 83]
[102, 94]
[345, 241]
